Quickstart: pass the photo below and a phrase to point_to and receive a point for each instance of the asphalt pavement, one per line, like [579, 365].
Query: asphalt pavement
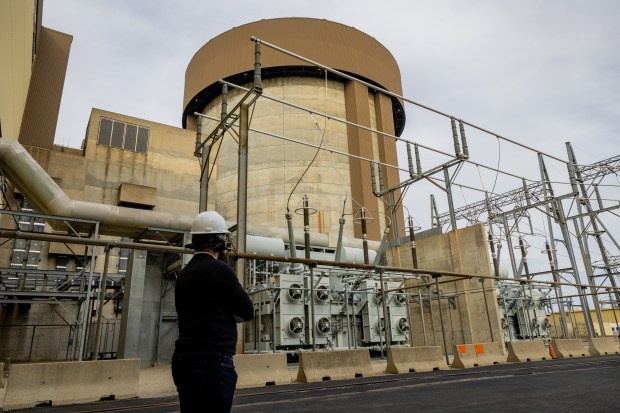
[588, 384]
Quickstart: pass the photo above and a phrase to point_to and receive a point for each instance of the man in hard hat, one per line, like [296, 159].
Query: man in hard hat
[209, 299]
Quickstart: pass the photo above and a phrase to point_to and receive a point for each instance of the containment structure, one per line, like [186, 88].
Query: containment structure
[284, 138]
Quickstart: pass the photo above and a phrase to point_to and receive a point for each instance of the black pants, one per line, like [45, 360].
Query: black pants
[205, 381]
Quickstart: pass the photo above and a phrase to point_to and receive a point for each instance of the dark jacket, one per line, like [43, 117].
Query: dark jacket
[208, 295]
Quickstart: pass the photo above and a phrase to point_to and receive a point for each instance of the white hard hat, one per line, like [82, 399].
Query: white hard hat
[209, 222]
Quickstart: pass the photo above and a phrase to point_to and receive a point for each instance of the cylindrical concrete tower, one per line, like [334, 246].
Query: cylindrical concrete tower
[276, 164]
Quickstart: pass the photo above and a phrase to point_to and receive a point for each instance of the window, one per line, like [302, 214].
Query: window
[117, 134]
[123, 257]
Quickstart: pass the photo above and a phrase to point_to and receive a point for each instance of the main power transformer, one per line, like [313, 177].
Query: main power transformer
[523, 311]
[326, 308]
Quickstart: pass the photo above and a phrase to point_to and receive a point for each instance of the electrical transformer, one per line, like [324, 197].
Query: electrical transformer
[523, 311]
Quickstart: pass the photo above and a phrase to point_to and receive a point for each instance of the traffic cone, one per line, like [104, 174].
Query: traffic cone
[551, 352]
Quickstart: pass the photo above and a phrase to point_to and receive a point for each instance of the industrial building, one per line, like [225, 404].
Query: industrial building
[296, 146]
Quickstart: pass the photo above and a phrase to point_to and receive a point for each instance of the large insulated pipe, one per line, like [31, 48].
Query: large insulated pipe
[47, 198]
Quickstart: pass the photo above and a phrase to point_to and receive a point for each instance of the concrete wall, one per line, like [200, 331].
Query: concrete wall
[275, 165]
[39, 332]
[464, 315]
[16, 37]
[144, 290]
[169, 166]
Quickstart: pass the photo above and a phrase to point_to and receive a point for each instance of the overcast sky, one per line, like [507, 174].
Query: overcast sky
[538, 72]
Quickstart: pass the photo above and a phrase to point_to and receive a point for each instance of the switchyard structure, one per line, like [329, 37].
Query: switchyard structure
[298, 144]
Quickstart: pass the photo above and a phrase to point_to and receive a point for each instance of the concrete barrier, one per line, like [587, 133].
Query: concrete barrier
[256, 370]
[480, 354]
[600, 346]
[570, 347]
[334, 365]
[409, 359]
[531, 350]
[51, 384]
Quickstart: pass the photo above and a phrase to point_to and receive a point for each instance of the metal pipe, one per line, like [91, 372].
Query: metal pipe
[585, 255]
[486, 306]
[258, 321]
[354, 317]
[382, 248]
[102, 289]
[430, 305]
[558, 294]
[409, 318]
[510, 248]
[452, 335]
[312, 309]
[376, 292]
[524, 257]
[526, 312]
[394, 222]
[307, 254]
[506, 318]
[242, 189]
[346, 306]
[306, 227]
[160, 315]
[613, 310]
[204, 167]
[87, 313]
[386, 316]
[493, 254]
[434, 213]
[276, 296]
[422, 317]
[571, 255]
[449, 194]
[443, 333]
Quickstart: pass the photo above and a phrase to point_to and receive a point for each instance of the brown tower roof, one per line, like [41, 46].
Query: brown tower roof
[231, 56]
